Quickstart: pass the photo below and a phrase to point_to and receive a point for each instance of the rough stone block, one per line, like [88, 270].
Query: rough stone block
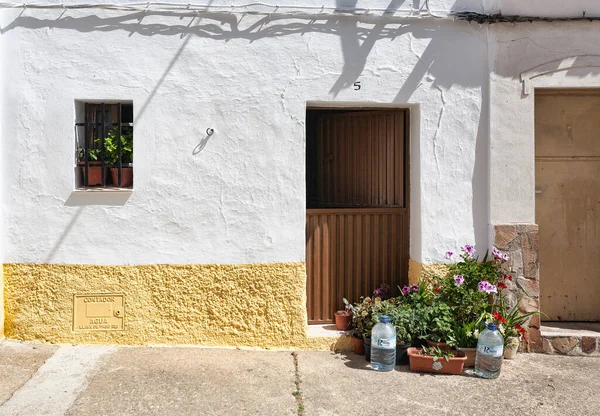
[534, 340]
[534, 240]
[516, 262]
[588, 344]
[547, 346]
[530, 263]
[565, 344]
[504, 235]
[535, 322]
[532, 228]
[528, 305]
[531, 288]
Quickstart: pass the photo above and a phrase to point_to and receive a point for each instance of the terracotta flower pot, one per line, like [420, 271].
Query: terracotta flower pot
[401, 355]
[359, 346]
[511, 347]
[343, 320]
[471, 353]
[426, 364]
[441, 345]
[126, 177]
[95, 172]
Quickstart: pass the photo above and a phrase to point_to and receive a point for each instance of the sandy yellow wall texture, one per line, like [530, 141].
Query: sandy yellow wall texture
[258, 305]
[417, 270]
[1, 302]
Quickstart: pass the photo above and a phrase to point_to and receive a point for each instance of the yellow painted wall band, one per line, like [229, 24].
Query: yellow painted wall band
[256, 305]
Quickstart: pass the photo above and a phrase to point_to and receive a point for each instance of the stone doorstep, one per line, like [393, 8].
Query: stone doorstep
[574, 339]
[326, 331]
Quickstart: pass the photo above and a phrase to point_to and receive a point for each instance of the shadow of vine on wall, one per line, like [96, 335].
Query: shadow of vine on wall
[443, 59]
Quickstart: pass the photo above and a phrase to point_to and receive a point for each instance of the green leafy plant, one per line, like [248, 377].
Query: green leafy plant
[408, 324]
[436, 353]
[465, 335]
[366, 312]
[439, 319]
[362, 315]
[415, 295]
[93, 154]
[111, 146]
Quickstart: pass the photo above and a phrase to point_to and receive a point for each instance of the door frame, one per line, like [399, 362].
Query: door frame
[541, 91]
[408, 134]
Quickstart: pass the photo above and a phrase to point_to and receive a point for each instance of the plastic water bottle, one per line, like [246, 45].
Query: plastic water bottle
[490, 348]
[383, 345]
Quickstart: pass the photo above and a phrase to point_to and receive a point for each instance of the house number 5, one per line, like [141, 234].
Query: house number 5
[357, 86]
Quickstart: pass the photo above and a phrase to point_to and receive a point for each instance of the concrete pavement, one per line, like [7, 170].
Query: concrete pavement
[105, 380]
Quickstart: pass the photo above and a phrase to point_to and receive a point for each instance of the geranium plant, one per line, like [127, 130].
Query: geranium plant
[366, 312]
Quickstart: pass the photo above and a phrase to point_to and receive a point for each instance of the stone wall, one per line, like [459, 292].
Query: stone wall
[521, 241]
[570, 345]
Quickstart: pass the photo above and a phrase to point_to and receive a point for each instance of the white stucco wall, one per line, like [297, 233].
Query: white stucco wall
[545, 8]
[2, 164]
[514, 50]
[242, 198]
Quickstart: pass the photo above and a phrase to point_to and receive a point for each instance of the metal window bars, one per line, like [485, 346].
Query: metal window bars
[90, 152]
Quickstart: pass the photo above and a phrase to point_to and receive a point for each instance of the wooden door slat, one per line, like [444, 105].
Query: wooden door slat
[357, 233]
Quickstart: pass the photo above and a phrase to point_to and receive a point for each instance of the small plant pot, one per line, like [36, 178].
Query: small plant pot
[359, 346]
[511, 347]
[367, 342]
[343, 320]
[441, 345]
[471, 353]
[95, 172]
[126, 177]
[426, 363]
[401, 353]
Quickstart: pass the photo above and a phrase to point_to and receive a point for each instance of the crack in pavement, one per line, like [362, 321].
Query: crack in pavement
[298, 393]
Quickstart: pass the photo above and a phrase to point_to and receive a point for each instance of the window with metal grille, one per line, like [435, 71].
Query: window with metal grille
[104, 145]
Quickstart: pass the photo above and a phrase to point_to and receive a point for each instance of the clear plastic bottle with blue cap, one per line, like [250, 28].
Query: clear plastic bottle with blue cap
[383, 345]
[490, 349]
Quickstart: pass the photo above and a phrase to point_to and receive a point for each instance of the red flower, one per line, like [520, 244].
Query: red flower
[499, 318]
[520, 329]
[437, 290]
[506, 276]
[501, 285]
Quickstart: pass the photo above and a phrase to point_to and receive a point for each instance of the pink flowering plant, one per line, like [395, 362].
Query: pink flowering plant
[468, 290]
[414, 295]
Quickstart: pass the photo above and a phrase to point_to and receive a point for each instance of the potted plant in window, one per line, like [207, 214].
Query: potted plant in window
[95, 171]
[111, 146]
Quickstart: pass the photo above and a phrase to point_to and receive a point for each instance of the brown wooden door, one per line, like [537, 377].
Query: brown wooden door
[567, 158]
[357, 221]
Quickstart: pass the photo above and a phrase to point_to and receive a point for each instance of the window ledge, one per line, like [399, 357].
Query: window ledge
[103, 190]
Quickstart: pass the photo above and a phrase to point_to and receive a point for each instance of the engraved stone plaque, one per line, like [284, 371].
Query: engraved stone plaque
[99, 312]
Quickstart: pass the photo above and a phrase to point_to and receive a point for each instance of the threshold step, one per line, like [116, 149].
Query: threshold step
[326, 331]
[571, 338]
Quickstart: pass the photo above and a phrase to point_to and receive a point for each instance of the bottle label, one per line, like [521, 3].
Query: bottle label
[489, 351]
[387, 343]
